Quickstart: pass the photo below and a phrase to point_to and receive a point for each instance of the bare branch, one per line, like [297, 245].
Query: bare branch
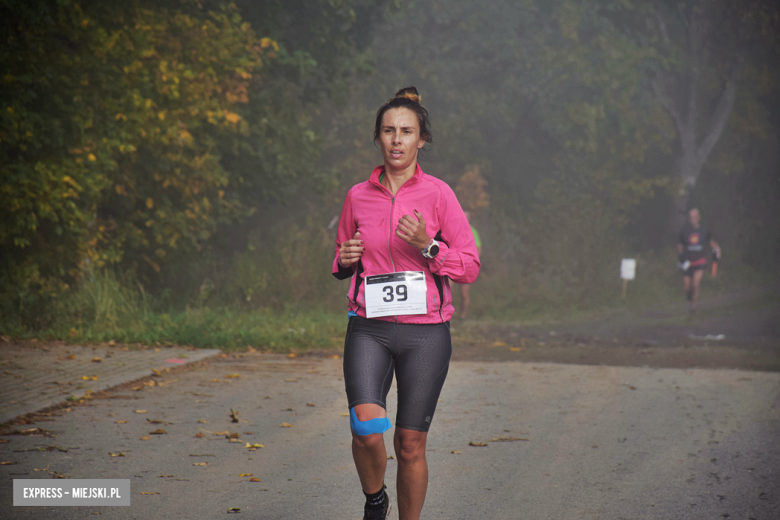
[721, 115]
[666, 102]
[662, 27]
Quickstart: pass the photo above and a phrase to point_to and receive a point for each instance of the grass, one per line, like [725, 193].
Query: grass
[108, 308]
[211, 328]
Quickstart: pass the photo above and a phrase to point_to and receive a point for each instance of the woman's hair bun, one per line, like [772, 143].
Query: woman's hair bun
[409, 93]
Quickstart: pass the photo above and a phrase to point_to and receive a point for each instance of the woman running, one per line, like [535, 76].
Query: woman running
[402, 236]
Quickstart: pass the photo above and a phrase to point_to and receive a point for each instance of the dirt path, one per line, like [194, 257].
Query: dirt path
[738, 329]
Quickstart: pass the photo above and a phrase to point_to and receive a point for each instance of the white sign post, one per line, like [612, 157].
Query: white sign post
[627, 272]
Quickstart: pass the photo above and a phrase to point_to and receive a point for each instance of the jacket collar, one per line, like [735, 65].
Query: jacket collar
[374, 178]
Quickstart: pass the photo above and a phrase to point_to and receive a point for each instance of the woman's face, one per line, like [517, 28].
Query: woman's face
[400, 139]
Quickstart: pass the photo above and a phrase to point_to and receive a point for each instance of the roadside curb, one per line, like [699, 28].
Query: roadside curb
[37, 380]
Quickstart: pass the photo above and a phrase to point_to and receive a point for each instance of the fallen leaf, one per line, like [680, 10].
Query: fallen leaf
[249, 433]
[291, 355]
[254, 479]
[145, 438]
[216, 380]
[234, 435]
[199, 435]
[455, 452]
[166, 476]
[9, 462]
[149, 493]
[472, 443]
[234, 509]
[72, 356]
[4, 441]
[632, 387]
[156, 372]
[233, 416]
[246, 474]
[120, 454]
[233, 376]
[200, 463]
[335, 356]
[390, 457]
[140, 411]
[290, 380]
[310, 404]
[254, 445]
[96, 360]
[121, 422]
[286, 425]
[499, 343]
[159, 431]
[156, 421]
[203, 421]
[508, 439]
[89, 378]
[515, 349]
[344, 414]
[235, 440]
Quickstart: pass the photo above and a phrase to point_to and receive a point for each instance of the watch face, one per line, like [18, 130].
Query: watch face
[433, 250]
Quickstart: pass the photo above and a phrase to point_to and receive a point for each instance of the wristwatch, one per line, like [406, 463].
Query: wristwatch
[431, 250]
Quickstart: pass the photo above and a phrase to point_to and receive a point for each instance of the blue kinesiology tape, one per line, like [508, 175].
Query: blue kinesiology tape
[378, 425]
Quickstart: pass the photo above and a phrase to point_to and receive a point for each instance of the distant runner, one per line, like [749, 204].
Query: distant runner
[691, 256]
[465, 288]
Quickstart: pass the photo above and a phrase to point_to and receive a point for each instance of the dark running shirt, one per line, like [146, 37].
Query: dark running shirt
[693, 242]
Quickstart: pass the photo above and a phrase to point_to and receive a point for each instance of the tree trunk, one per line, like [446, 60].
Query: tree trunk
[684, 113]
[692, 153]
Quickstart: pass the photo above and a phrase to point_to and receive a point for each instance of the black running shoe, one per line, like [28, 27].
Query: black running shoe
[378, 514]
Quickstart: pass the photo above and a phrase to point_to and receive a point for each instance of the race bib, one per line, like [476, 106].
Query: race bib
[396, 294]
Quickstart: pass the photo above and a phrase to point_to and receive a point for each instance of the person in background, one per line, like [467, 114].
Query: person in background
[465, 288]
[691, 256]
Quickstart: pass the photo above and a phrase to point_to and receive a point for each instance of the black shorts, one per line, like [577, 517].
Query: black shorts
[418, 354]
[692, 269]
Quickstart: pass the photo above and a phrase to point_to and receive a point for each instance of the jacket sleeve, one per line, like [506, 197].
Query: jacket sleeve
[458, 257]
[346, 230]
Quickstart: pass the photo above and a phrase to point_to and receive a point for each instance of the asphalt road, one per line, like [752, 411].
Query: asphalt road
[598, 443]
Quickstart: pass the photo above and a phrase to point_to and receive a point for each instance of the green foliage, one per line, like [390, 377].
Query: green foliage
[130, 131]
[109, 307]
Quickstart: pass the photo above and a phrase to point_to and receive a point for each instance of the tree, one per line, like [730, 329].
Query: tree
[116, 124]
[708, 46]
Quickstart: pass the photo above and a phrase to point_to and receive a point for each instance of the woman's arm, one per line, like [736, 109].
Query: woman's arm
[349, 247]
[458, 257]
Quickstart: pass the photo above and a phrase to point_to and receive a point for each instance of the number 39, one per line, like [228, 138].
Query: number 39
[400, 290]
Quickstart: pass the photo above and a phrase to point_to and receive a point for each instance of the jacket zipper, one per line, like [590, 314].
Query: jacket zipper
[390, 241]
[390, 234]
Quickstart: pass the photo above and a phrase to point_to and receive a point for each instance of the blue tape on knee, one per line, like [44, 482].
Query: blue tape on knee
[378, 425]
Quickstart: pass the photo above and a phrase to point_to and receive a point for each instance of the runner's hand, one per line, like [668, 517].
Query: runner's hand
[412, 230]
[351, 250]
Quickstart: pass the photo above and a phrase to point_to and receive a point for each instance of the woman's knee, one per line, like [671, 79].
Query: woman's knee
[368, 442]
[410, 445]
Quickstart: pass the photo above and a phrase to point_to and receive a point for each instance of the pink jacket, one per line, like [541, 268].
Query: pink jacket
[372, 210]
